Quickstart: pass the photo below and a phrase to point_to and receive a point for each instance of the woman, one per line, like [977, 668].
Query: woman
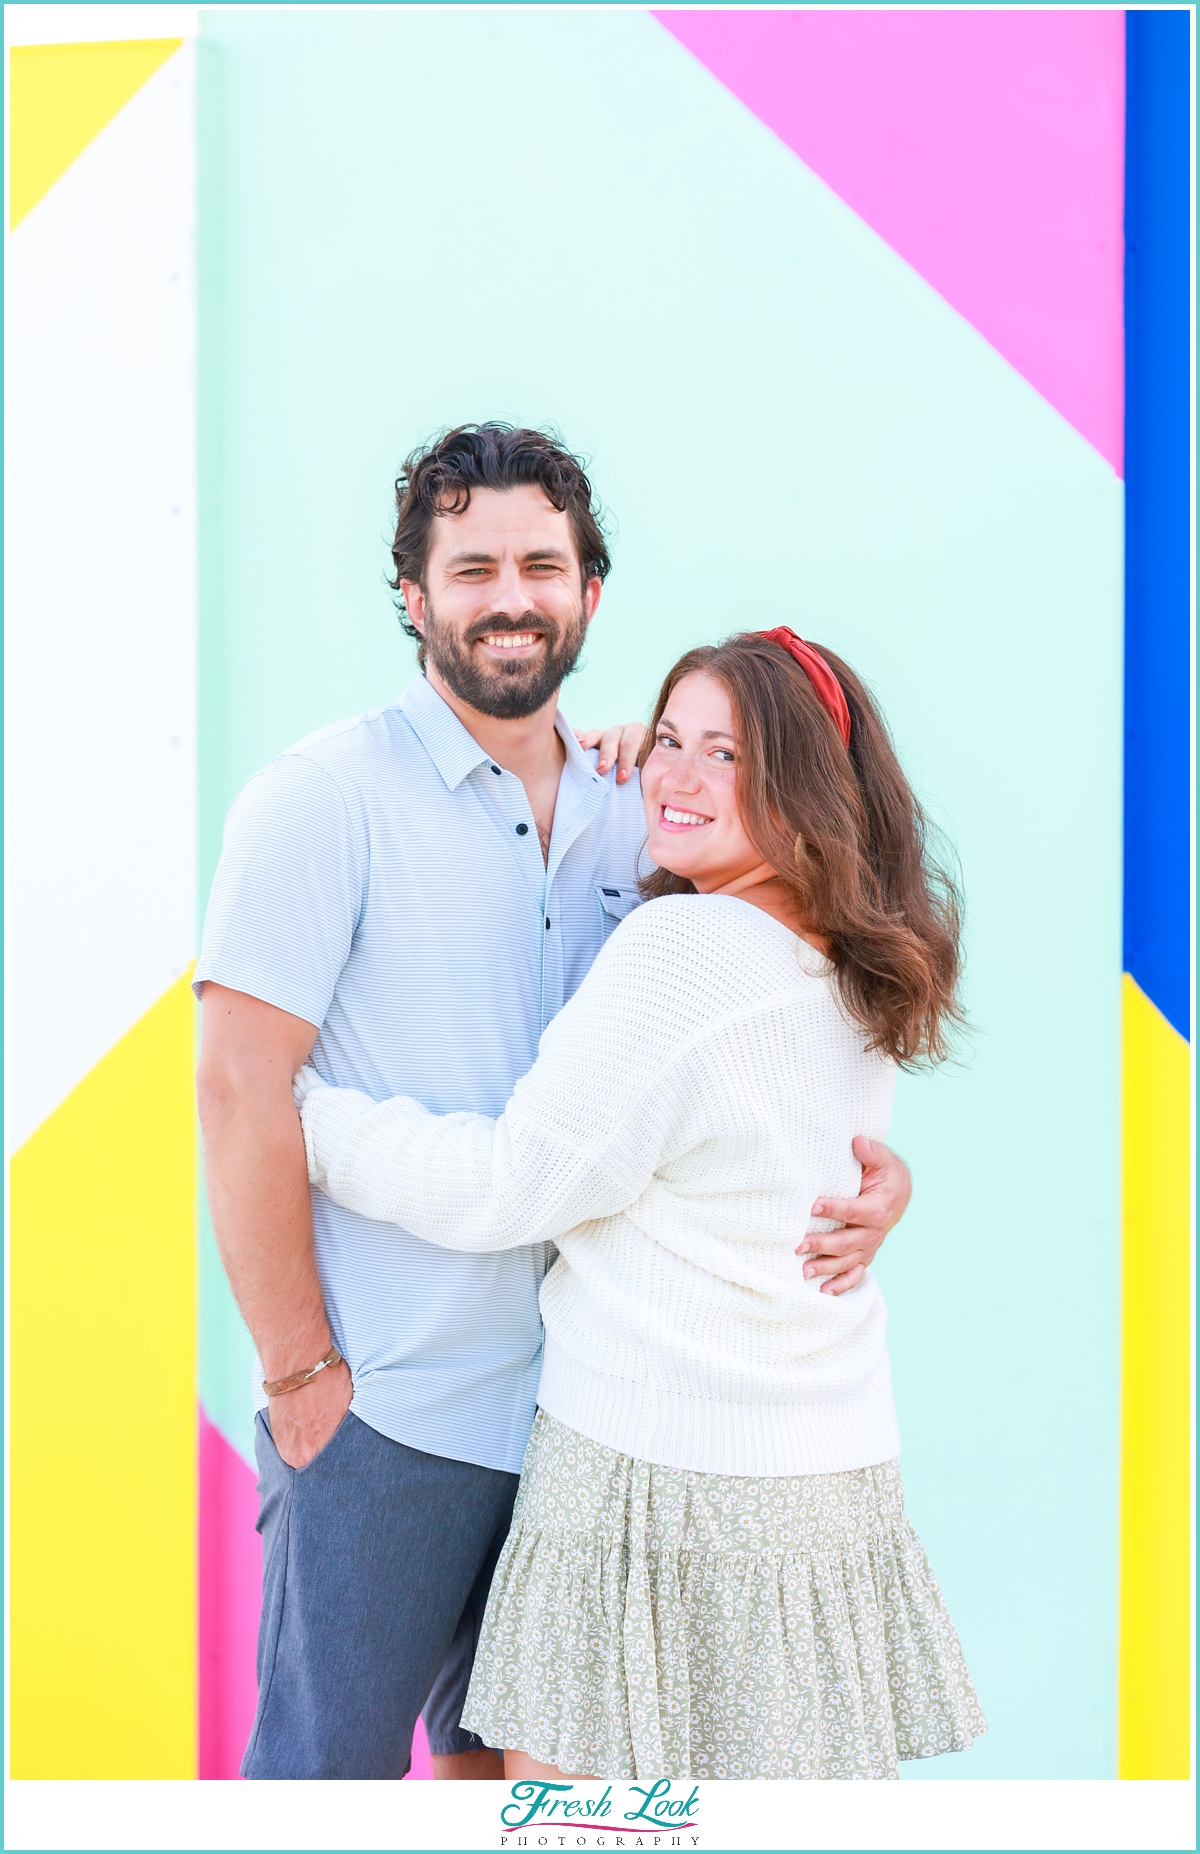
[709, 1572]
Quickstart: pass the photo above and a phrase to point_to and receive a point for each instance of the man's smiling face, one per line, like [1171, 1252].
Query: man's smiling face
[504, 610]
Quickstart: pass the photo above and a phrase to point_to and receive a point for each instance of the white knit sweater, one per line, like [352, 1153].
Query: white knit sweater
[686, 1108]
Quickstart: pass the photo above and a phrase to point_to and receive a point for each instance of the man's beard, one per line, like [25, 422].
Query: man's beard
[506, 691]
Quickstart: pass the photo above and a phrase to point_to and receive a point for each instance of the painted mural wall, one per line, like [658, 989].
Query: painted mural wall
[790, 423]
[833, 304]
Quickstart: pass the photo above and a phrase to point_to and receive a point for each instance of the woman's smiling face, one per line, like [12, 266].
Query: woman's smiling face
[688, 788]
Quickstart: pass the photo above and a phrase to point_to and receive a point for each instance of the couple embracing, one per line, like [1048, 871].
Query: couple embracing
[593, 1070]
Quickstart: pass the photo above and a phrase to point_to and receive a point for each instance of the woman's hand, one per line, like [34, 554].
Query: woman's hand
[844, 1255]
[622, 744]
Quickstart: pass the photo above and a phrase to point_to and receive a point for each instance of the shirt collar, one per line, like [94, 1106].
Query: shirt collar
[456, 753]
[578, 763]
[453, 751]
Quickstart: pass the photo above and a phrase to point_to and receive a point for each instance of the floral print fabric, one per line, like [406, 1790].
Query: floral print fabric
[648, 1621]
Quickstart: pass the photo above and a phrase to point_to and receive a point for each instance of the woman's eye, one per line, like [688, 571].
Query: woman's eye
[666, 740]
[725, 756]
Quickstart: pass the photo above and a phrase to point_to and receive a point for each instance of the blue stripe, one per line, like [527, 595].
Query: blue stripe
[1158, 506]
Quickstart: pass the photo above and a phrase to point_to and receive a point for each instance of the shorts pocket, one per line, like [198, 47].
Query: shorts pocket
[327, 1447]
[320, 1454]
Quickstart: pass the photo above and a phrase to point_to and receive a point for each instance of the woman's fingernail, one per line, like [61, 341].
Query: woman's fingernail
[818, 1210]
[622, 776]
[601, 765]
[809, 1273]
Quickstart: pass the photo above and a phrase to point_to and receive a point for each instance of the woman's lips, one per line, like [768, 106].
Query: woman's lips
[675, 819]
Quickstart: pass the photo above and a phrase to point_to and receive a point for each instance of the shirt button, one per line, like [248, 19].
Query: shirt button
[547, 923]
[495, 769]
[522, 830]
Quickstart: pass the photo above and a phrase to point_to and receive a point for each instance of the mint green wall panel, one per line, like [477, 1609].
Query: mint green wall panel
[410, 219]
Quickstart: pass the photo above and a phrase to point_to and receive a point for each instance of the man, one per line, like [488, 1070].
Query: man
[412, 896]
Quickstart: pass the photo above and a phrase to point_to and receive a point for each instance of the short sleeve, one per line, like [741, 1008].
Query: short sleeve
[288, 893]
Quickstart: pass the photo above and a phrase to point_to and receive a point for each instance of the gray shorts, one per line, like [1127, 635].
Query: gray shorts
[377, 1560]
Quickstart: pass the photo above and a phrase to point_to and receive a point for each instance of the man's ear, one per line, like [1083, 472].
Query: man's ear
[591, 598]
[414, 603]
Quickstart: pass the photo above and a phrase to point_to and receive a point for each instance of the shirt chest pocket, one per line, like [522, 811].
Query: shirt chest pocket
[615, 904]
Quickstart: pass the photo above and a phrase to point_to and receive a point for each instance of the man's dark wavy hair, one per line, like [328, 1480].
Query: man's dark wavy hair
[437, 479]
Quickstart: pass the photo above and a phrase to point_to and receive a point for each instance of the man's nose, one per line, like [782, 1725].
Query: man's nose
[508, 594]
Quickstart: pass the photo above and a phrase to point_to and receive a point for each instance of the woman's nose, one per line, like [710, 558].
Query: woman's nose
[684, 777]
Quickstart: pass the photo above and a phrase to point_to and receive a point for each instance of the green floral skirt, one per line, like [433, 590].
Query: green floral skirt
[647, 1622]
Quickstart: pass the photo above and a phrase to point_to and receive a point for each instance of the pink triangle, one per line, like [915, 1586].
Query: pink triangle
[987, 148]
[230, 1586]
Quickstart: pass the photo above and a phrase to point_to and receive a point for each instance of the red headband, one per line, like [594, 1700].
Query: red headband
[822, 678]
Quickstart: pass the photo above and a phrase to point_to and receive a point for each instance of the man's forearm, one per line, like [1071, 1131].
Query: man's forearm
[257, 1180]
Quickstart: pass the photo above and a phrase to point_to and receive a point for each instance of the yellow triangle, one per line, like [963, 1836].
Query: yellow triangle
[103, 1413]
[60, 97]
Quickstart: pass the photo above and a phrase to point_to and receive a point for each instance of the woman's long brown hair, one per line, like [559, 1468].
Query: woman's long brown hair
[845, 834]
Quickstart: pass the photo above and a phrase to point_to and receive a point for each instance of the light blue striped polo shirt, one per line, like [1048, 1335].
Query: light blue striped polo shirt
[383, 879]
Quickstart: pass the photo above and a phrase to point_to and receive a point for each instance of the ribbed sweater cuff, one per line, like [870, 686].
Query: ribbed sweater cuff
[680, 1431]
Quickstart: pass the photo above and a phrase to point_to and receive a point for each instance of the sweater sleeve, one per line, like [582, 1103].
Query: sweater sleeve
[580, 1138]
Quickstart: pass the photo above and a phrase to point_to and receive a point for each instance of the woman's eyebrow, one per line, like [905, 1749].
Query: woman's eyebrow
[710, 733]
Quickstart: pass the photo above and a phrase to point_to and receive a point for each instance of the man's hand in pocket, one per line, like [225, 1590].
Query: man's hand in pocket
[302, 1421]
